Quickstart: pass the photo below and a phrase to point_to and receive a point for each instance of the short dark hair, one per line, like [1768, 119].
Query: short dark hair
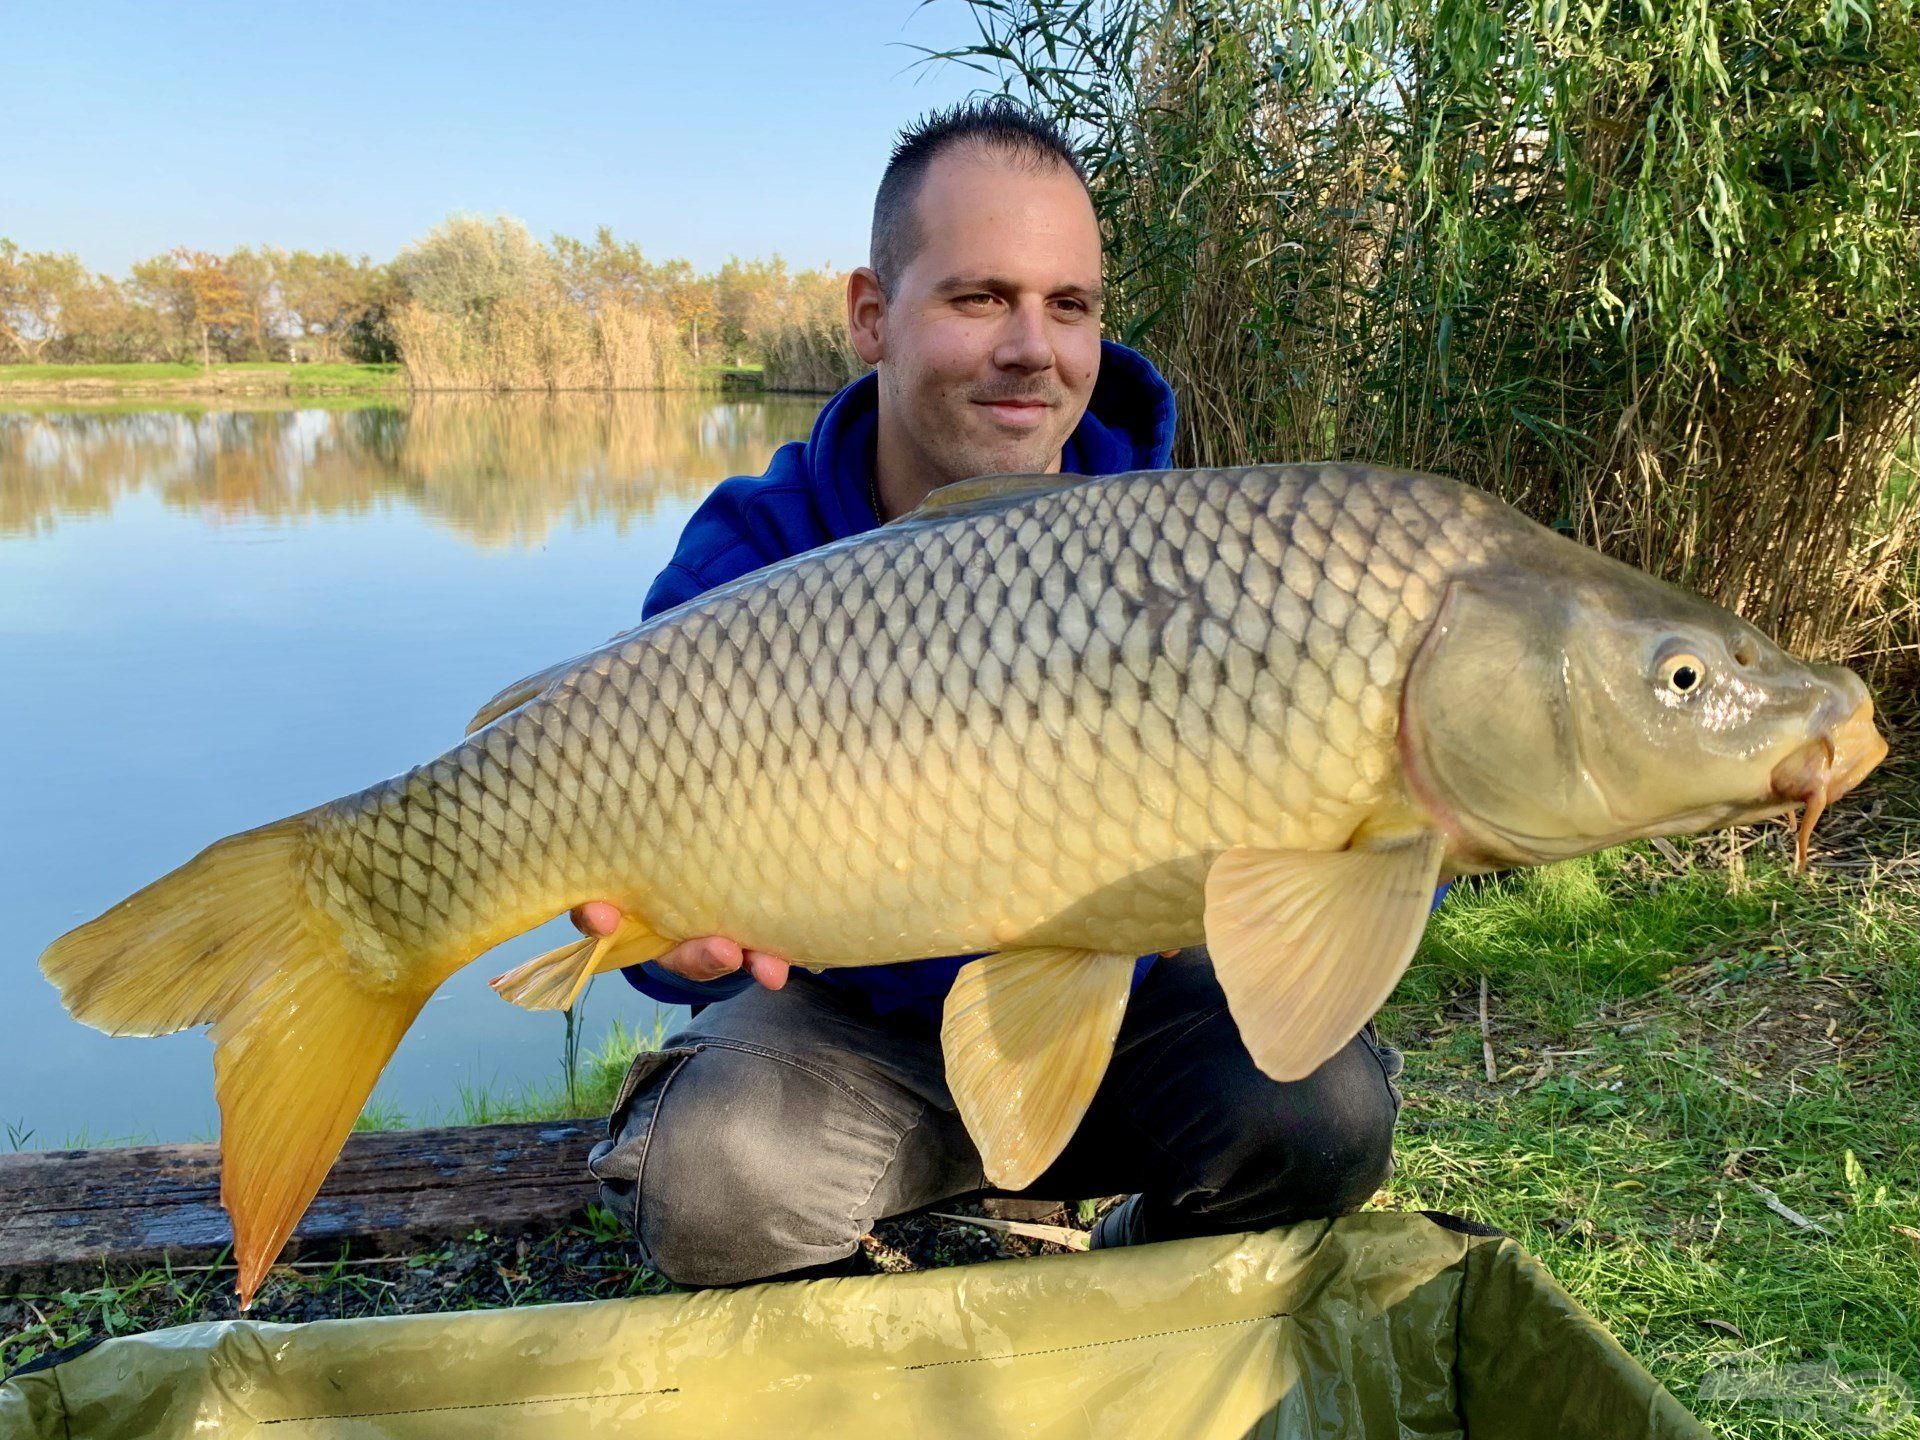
[998, 122]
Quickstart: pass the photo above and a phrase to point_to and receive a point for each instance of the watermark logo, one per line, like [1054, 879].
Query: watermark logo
[1847, 1402]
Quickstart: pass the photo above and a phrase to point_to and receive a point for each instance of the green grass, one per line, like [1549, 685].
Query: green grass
[193, 403]
[596, 1077]
[1697, 1005]
[720, 375]
[278, 376]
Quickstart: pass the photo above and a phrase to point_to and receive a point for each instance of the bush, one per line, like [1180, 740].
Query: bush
[490, 308]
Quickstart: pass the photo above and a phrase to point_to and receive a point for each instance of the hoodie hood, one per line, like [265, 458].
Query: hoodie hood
[1128, 425]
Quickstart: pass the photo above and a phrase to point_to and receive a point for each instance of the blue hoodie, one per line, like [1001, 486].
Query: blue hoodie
[815, 491]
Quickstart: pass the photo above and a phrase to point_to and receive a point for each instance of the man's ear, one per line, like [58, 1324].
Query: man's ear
[866, 315]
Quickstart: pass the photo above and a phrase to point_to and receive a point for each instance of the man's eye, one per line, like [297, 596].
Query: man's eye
[974, 300]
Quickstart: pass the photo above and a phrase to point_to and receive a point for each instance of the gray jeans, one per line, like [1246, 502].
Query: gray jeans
[771, 1132]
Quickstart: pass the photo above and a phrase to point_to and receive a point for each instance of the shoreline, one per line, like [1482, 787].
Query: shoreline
[281, 379]
[167, 381]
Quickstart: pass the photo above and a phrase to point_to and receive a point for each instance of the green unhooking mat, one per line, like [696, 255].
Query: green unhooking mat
[1377, 1325]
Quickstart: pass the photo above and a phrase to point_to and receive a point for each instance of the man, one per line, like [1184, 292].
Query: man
[795, 1109]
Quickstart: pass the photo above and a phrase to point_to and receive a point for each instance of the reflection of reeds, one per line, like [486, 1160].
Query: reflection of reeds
[530, 343]
[506, 468]
[499, 469]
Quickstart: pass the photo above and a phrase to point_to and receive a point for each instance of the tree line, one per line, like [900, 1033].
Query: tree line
[474, 300]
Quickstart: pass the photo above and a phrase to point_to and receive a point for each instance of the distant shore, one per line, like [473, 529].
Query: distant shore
[263, 379]
[93, 382]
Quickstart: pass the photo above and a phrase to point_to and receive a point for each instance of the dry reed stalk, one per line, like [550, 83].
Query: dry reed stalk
[540, 342]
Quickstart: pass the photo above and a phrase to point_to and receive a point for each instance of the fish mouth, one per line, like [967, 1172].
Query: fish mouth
[1825, 768]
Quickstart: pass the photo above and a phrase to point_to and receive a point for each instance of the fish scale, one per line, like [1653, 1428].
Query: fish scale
[946, 737]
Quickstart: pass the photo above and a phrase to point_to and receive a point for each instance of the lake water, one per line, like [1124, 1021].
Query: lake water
[214, 618]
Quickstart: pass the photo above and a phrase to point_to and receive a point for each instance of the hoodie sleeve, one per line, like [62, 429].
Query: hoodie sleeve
[723, 541]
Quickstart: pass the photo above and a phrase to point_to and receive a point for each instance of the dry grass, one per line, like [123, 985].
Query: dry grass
[534, 343]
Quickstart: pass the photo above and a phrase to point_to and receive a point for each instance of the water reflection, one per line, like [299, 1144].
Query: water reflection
[500, 470]
[211, 619]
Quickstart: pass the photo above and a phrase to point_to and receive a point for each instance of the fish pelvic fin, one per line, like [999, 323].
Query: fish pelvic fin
[1307, 945]
[555, 980]
[300, 1033]
[1027, 1035]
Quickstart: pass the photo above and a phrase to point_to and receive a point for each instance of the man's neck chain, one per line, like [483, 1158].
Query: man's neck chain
[873, 494]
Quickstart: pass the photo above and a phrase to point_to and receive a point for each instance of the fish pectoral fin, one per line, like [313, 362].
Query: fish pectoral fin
[1027, 1035]
[553, 981]
[1308, 944]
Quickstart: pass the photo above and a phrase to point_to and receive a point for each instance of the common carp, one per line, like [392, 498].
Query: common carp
[1065, 721]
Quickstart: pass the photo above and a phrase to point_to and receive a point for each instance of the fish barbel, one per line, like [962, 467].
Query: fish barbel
[1066, 721]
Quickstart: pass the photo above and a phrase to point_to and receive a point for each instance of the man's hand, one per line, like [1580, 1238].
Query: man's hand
[706, 958]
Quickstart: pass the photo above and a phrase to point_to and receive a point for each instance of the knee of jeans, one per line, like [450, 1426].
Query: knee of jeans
[752, 1169]
[1363, 1158]
[1356, 1137]
[1322, 1151]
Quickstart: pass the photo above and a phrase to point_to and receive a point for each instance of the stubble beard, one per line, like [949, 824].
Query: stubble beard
[958, 450]
[968, 452]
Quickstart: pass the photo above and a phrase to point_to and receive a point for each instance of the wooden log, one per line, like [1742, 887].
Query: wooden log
[387, 1193]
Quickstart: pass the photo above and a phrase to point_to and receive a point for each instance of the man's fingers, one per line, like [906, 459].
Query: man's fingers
[711, 956]
[769, 970]
[596, 917]
[707, 958]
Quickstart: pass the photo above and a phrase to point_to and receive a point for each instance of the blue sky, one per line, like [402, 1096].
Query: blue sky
[701, 130]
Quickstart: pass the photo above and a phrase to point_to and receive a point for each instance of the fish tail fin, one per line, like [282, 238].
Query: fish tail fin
[553, 981]
[231, 938]
[292, 1071]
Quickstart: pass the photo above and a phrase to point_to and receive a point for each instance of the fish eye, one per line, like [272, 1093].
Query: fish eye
[1683, 673]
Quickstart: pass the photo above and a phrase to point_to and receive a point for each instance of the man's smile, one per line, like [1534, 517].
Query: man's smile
[1023, 413]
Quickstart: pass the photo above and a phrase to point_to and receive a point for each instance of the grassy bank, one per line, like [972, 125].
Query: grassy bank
[163, 380]
[1704, 1117]
[86, 382]
[596, 1076]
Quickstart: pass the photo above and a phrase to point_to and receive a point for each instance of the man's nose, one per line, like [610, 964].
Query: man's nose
[1024, 343]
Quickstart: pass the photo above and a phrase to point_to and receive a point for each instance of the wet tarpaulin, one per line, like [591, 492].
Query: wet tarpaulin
[1381, 1324]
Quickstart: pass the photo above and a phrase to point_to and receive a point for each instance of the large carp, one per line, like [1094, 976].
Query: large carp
[1067, 721]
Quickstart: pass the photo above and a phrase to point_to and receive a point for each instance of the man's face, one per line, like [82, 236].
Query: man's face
[990, 344]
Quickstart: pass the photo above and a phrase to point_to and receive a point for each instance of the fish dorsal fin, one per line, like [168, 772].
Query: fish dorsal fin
[982, 494]
[1308, 944]
[1027, 1035]
[520, 692]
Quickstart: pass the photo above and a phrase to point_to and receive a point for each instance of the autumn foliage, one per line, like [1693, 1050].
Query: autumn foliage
[475, 304]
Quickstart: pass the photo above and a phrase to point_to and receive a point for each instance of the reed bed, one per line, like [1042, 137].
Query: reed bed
[1649, 273]
[803, 343]
[523, 344]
